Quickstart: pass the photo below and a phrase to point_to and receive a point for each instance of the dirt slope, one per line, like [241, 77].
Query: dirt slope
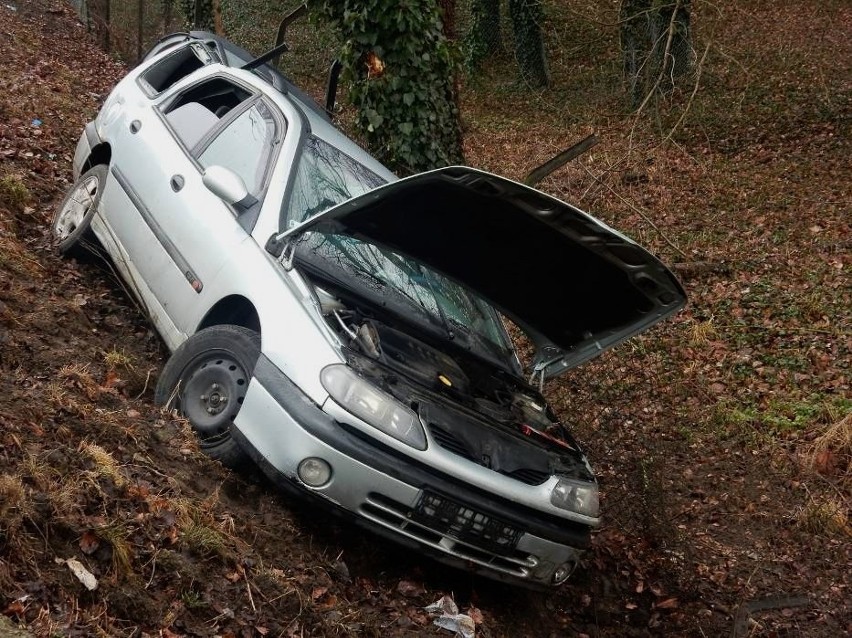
[91, 471]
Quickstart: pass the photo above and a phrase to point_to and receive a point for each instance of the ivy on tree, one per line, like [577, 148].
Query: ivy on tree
[397, 63]
[199, 13]
[484, 38]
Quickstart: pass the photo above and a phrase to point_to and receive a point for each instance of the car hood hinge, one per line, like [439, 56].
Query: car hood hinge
[282, 248]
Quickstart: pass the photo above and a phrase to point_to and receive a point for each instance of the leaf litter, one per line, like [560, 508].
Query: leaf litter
[747, 498]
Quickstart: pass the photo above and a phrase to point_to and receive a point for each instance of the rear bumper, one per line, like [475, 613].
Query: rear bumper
[279, 427]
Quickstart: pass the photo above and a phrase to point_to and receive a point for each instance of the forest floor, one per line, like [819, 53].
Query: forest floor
[722, 439]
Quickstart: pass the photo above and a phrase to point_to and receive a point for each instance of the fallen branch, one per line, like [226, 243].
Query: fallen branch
[743, 616]
[638, 212]
[559, 160]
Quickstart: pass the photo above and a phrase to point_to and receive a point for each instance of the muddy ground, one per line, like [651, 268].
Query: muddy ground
[710, 504]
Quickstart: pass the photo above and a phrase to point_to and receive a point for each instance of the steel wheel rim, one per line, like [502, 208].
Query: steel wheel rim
[213, 391]
[76, 208]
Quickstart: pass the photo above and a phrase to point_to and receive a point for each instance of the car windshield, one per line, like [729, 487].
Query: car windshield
[393, 279]
[325, 177]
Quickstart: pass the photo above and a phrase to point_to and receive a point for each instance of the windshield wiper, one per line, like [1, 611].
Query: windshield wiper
[425, 277]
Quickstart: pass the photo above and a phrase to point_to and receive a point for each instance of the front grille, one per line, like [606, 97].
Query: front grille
[453, 529]
[450, 442]
[466, 524]
[529, 476]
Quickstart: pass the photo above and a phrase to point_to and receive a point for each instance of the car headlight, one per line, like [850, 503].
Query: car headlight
[370, 404]
[576, 496]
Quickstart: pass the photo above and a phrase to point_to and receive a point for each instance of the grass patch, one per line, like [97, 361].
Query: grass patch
[824, 516]
[203, 539]
[117, 534]
[14, 194]
[115, 360]
[777, 417]
[104, 463]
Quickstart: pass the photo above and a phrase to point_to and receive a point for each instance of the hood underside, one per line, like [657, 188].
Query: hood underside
[576, 286]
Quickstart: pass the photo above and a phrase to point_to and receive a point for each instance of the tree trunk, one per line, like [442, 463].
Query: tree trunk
[199, 14]
[527, 17]
[99, 11]
[483, 38]
[645, 28]
[167, 16]
[678, 61]
[140, 29]
[399, 73]
[217, 18]
[635, 19]
[448, 17]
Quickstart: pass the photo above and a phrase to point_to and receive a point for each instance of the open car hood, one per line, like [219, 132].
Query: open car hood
[574, 285]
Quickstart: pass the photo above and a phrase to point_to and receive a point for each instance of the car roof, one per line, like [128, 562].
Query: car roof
[317, 120]
[277, 80]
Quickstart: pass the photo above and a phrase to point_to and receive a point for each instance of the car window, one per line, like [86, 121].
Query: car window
[197, 110]
[245, 146]
[381, 272]
[326, 176]
[174, 67]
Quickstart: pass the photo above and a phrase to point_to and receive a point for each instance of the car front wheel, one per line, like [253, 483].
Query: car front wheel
[73, 218]
[206, 380]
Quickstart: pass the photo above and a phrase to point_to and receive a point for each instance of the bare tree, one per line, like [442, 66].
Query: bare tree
[656, 42]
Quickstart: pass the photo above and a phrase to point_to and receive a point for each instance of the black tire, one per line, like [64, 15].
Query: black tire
[205, 380]
[71, 226]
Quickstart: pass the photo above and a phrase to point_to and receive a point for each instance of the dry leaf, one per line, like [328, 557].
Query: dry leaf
[375, 66]
[83, 575]
[89, 542]
[408, 588]
[668, 603]
[111, 380]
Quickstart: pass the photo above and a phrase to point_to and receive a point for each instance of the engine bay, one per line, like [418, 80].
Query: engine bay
[470, 407]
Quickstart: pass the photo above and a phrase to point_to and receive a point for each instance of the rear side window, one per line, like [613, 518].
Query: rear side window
[175, 67]
[197, 111]
[245, 146]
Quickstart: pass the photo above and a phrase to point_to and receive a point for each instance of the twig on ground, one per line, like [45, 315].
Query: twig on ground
[638, 212]
[147, 378]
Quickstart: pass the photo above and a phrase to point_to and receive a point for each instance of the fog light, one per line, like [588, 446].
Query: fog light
[563, 572]
[314, 472]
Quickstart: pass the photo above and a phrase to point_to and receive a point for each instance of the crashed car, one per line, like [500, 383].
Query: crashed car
[346, 330]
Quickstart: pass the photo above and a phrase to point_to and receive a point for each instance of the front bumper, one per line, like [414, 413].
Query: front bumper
[279, 427]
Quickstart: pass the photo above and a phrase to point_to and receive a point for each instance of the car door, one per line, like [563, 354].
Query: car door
[145, 155]
[203, 230]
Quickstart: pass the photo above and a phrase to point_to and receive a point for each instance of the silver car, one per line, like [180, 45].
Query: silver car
[345, 329]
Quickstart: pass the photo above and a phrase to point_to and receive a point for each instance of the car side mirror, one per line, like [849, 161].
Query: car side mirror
[228, 186]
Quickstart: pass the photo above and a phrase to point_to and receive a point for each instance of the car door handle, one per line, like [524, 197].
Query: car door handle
[135, 125]
[176, 182]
